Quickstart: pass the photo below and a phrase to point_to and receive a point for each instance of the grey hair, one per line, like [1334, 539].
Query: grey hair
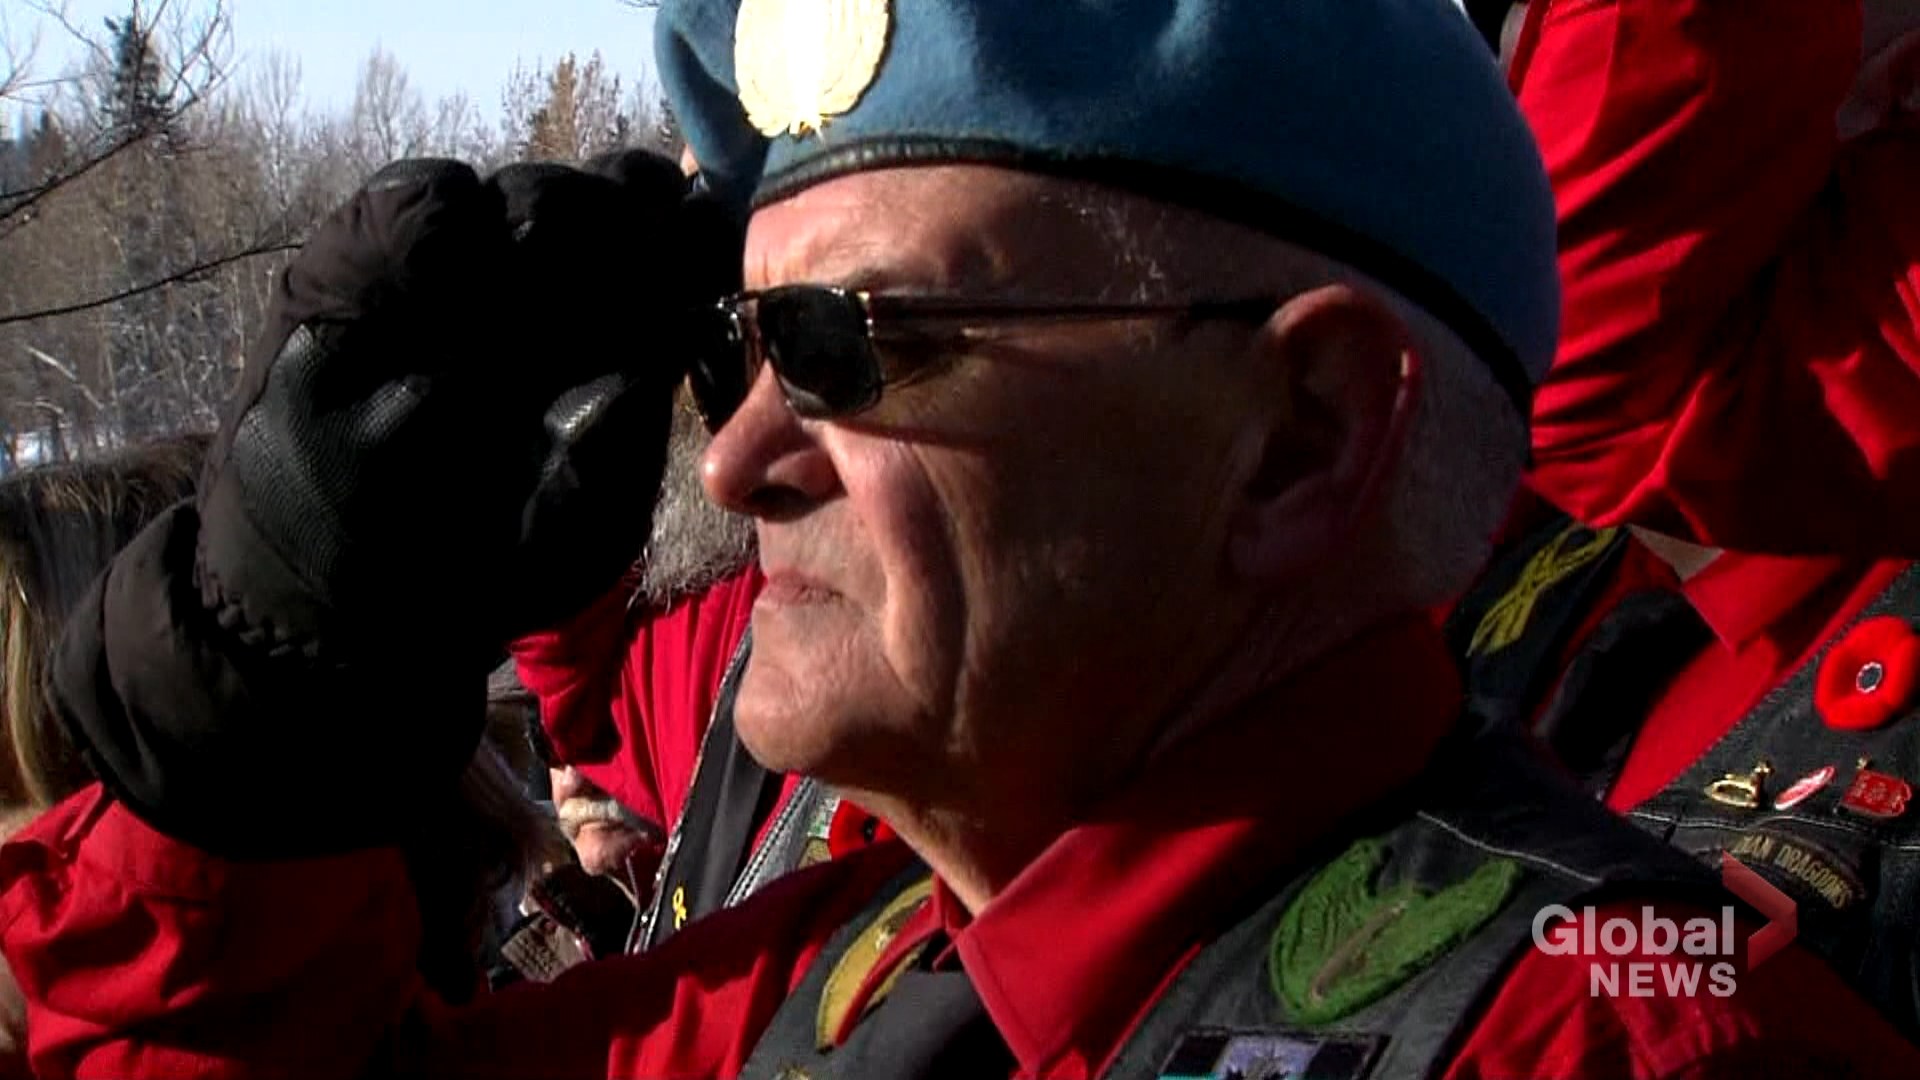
[1466, 444]
[694, 544]
[1458, 473]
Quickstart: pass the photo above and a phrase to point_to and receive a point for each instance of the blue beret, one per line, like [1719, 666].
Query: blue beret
[1377, 132]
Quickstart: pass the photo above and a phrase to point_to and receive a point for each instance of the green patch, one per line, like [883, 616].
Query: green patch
[1340, 946]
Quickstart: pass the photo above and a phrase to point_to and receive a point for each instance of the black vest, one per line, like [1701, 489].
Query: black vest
[1854, 877]
[1485, 802]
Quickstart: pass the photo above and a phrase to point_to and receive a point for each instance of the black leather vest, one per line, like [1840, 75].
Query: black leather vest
[1489, 801]
[1854, 877]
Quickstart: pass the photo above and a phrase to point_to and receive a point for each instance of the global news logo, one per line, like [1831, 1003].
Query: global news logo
[1656, 955]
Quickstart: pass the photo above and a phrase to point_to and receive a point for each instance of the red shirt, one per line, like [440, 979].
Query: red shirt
[142, 956]
[1741, 291]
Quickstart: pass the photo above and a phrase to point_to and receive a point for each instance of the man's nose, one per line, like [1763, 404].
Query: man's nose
[766, 462]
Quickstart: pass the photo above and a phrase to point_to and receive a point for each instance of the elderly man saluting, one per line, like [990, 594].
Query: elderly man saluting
[1114, 387]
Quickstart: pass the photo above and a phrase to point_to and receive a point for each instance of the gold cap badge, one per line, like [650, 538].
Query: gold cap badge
[799, 62]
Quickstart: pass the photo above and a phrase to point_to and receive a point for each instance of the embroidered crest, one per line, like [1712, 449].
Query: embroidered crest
[1507, 619]
[1340, 945]
[799, 62]
[1219, 1054]
[854, 965]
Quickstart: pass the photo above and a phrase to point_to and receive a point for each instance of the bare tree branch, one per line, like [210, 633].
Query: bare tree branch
[68, 373]
[17, 77]
[197, 71]
[195, 272]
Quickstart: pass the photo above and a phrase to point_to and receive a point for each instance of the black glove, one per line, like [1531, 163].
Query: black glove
[451, 433]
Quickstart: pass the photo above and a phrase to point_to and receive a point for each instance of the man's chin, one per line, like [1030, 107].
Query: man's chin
[603, 848]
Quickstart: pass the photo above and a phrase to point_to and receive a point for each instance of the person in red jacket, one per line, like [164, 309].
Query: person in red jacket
[1102, 465]
[1739, 354]
[1737, 371]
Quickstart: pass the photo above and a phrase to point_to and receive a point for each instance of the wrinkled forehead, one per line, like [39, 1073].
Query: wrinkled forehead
[966, 229]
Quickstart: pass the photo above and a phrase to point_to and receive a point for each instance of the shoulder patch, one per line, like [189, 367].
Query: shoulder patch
[1341, 946]
[854, 965]
[1507, 619]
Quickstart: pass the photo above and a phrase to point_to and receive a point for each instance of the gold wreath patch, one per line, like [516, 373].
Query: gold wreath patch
[800, 62]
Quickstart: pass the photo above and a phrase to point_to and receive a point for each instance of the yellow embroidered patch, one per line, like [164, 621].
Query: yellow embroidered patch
[1507, 619]
[853, 967]
[799, 62]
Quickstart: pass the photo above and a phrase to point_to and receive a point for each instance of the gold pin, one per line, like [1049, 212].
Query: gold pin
[1733, 789]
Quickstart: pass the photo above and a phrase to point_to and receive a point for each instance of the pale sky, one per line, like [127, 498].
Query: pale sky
[444, 45]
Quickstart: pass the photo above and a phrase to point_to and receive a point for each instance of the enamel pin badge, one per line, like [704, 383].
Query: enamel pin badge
[1734, 789]
[1804, 788]
[1876, 794]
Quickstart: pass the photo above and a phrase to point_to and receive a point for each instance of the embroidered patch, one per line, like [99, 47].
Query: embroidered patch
[799, 62]
[1507, 619]
[1341, 946]
[1219, 1054]
[1811, 869]
[854, 965]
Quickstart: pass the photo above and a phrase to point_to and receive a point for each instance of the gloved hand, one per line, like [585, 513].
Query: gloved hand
[451, 433]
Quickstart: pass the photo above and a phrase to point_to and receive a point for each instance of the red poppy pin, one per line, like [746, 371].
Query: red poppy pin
[1868, 678]
[853, 828]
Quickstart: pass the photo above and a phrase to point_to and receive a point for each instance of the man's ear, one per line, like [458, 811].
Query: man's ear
[1346, 380]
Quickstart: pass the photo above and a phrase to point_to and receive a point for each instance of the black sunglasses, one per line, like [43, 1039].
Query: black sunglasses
[835, 350]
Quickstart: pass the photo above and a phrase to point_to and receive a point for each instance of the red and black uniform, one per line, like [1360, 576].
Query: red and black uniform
[1738, 369]
[141, 955]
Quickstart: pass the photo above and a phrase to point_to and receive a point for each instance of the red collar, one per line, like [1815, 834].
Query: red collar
[1743, 596]
[1068, 955]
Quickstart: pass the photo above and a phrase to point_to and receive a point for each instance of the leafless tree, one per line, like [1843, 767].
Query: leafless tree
[148, 200]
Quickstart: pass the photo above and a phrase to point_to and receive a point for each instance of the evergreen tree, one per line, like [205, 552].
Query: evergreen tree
[135, 105]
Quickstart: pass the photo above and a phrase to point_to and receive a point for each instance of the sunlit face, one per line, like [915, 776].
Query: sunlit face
[1004, 571]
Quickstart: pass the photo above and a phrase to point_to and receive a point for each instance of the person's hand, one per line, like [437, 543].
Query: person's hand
[452, 432]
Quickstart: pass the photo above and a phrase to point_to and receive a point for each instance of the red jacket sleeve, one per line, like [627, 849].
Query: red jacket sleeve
[1738, 364]
[1791, 1016]
[141, 956]
[626, 698]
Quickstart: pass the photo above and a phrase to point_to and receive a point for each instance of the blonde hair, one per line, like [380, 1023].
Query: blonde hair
[60, 526]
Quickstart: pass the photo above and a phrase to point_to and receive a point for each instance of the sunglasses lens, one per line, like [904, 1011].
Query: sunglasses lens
[721, 371]
[818, 343]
